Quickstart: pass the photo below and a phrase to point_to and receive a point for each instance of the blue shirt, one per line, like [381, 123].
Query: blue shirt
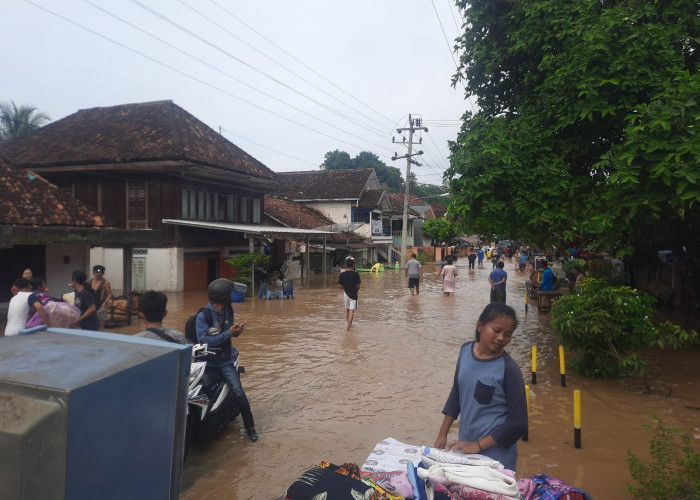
[488, 396]
[547, 282]
[497, 275]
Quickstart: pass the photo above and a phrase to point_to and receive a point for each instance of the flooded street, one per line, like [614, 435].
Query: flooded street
[320, 393]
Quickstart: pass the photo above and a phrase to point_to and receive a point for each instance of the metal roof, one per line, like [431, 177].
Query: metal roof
[247, 228]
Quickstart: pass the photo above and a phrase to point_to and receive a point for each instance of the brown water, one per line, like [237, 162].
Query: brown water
[321, 393]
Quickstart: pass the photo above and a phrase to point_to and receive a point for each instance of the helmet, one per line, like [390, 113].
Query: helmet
[219, 291]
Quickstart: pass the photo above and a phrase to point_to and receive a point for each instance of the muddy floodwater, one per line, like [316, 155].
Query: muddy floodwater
[320, 393]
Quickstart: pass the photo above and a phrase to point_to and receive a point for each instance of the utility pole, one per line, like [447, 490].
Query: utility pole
[413, 125]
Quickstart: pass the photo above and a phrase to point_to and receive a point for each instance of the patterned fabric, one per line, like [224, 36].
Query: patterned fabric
[543, 487]
[331, 482]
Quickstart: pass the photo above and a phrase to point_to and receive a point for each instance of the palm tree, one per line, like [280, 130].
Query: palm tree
[19, 120]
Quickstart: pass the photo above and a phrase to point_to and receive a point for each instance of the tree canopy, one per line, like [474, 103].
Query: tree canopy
[19, 120]
[439, 230]
[389, 177]
[587, 125]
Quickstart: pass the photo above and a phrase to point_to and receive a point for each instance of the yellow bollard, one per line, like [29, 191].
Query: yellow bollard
[525, 299]
[527, 401]
[562, 366]
[534, 364]
[577, 418]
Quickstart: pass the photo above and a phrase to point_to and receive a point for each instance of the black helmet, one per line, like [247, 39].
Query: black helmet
[219, 291]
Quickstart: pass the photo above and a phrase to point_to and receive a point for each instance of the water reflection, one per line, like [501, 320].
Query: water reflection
[321, 393]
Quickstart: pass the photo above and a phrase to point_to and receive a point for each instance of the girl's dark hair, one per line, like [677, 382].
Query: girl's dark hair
[449, 261]
[494, 311]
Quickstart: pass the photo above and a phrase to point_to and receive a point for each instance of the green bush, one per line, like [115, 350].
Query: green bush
[605, 327]
[243, 264]
[674, 469]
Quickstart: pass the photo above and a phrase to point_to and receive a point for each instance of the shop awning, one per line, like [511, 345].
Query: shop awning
[255, 229]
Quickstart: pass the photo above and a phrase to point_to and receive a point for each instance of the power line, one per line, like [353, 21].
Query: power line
[451, 51]
[451, 6]
[252, 87]
[236, 58]
[199, 80]
[298, 60]
[268, 148]
[267, 56]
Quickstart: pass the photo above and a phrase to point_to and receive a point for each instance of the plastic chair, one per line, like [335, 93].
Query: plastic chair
[288, 289]
[272, 295]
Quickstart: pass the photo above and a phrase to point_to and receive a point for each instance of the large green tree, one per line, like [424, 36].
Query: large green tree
[439, 230]
[389, 177]
[587, 125]
[18, 120]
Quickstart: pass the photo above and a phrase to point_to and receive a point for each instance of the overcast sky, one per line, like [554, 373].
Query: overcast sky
[286, 81]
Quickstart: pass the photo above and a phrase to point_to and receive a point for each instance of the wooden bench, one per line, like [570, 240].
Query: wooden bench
[544, 298]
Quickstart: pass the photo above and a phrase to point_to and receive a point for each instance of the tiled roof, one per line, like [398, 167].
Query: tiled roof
[327, 184]
[152, 131]
[370, 199]
[437, 210]
[293, 214]
[297, 215]
[397, 204]
[27, 199]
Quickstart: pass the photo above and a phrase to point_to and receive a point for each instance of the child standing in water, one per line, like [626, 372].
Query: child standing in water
[448, 274]
[349, 281]
[488, 392]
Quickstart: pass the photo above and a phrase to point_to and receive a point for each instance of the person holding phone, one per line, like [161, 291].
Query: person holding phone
[217, 334]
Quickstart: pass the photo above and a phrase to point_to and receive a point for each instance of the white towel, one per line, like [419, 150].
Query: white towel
[475, 476]
[433, 456]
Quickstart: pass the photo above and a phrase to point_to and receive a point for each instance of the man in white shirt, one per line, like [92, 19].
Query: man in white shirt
[18, 309]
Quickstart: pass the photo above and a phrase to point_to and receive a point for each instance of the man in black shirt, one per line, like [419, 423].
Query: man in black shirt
[85, 301]
[350, 281]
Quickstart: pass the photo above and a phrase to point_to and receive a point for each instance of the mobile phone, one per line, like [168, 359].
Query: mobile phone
[242, 324]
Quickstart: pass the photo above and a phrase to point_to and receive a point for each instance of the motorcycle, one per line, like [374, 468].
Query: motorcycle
[211, 404]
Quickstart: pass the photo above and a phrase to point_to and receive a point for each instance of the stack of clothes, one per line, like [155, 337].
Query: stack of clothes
[397, 471]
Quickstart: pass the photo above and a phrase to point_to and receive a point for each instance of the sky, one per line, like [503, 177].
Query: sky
[285, 81]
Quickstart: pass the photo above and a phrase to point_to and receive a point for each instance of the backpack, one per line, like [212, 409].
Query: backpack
[191, 325]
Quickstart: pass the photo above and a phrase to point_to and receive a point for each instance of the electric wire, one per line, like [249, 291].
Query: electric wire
[226, 131]
[454, 19]
[451, 52]
[298, 60]
[252, 87]
[215, 87]
[236, 58]
[380, 132]
[194, 78]
[267, 56]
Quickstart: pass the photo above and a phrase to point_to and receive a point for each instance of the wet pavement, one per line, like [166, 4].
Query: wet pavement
[321, 393]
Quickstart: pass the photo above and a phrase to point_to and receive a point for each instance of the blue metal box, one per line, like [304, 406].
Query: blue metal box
[87, 415]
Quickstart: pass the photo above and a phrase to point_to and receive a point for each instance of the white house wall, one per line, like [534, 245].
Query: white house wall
[61, 260]
[164, 267]
[340, 212]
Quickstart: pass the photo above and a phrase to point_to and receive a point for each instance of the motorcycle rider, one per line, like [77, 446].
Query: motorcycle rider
[218, 336]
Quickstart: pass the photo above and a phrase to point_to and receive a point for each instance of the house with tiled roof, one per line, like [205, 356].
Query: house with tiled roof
[353, 199]
[153, 168]
[45, 229]
[295, 215]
